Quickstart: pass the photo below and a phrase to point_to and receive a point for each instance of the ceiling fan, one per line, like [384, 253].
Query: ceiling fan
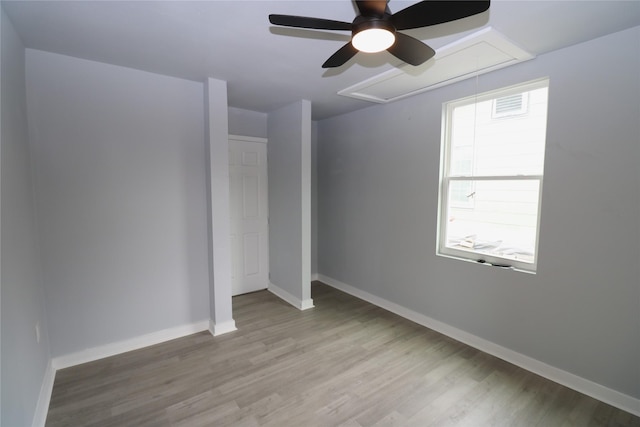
[377, 29]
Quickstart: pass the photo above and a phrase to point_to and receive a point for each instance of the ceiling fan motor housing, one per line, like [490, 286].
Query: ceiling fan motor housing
[362, 23]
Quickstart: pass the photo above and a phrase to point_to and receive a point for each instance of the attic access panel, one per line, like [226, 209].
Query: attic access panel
[478, 53]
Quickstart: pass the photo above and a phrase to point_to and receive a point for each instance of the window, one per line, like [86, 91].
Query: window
[491, 176]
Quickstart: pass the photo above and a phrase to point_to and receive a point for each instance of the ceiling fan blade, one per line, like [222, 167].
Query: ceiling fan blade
[372, 7]
[432, 12]
[341, 56]
[306, 22]
[410, 50]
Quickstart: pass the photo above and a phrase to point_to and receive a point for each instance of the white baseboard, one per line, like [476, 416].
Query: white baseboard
[582, 385]
[95, 353]
[42, 407]
[306, 304]
[286, 296]
[222, 328]
[314, 277]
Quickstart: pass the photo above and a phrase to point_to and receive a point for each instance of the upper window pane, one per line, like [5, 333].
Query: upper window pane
[499, 136]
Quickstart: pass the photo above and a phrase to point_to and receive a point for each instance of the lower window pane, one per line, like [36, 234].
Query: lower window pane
[501, 221]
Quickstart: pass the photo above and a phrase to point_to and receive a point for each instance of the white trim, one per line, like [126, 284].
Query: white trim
[222, 328]
[314, 277]
[42, 407]
[107, 350]
[582, 385]
[286, 296]
[306, 304]
[248, 138]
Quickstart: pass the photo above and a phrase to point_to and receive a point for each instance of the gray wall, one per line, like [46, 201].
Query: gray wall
[24, 361]
[120, 183]
[289, 157]
[377, 207]
[247, 123]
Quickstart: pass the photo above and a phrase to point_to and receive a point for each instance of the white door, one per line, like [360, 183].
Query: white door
[249, 210]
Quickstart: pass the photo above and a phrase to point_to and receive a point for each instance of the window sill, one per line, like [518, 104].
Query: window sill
[496, 265]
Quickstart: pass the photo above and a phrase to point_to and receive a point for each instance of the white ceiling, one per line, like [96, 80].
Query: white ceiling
[267, 67]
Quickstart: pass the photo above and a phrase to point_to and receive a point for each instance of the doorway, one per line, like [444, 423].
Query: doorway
[248, 214]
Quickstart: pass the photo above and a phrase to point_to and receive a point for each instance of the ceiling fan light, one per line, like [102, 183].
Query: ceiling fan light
[373, 40]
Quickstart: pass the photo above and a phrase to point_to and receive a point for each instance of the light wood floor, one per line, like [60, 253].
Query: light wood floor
[343, 363]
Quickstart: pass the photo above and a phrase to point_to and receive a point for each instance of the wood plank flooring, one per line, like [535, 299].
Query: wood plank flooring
[344, 363]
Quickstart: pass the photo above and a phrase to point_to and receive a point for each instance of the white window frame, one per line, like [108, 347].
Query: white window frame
[446, 178]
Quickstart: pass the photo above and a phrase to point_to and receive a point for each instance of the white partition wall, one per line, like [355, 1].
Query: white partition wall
[289, 154]
[219, 226]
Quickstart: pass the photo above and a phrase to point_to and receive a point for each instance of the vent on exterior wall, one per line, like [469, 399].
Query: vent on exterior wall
[511, 105]
[483, 51]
